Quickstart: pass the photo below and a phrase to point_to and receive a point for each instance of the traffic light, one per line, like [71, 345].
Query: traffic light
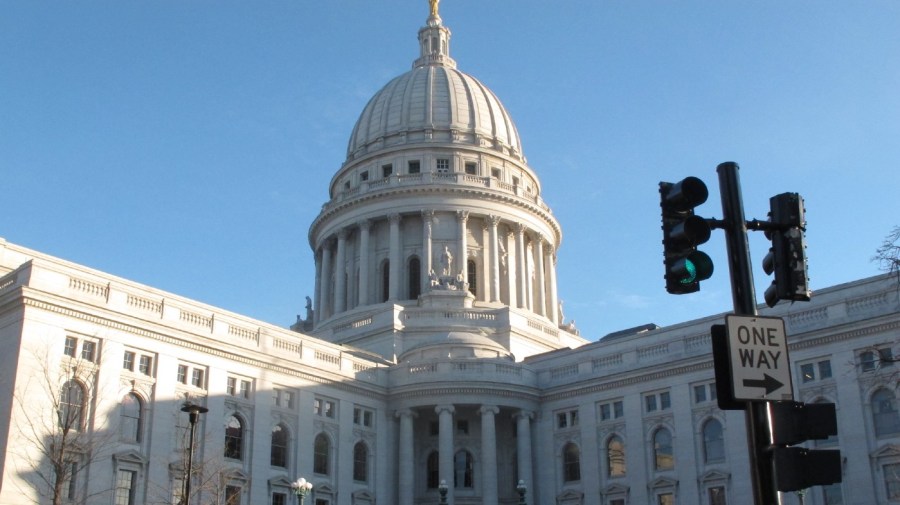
[787, 255]
[682, 233]
[798, 468]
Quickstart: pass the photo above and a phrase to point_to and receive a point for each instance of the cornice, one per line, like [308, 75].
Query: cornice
[590, 386]
[431, 393]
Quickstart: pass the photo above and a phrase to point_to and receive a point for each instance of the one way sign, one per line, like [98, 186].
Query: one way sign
[760, 368]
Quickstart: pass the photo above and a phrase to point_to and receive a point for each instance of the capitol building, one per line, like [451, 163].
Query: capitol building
[433, 356]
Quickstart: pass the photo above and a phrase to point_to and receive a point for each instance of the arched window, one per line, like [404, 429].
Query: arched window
[414, 274]
[360, 462]
[433, 469]
[463, 470]
[472, 272]
[571, 462]
[884, 413]
[130, 418]
[664, 458]
[234, 437]
[71, 406]
[385, 280]
[615, 456]
[321, 453]
[713, 443]
[279, 454]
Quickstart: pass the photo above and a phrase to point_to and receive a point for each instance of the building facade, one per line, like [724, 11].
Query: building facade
[434, 350]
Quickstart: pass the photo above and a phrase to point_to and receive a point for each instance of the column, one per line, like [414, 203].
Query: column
[511, 269]
[325, 293]
[340, 273]
[445, 447]
[523, 446]
[427, 254]
[554, 298]
[406, 463]
[521, 270]
[317, 293]
[494, 250]
[541, 303]
[462, 217]
[363, 287]
[489, 453]
[395, 258]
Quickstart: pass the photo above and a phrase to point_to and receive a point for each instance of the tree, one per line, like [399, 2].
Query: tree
[888, 254]
[60, 434]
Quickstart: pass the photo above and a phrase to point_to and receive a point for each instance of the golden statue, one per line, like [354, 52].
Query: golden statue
[434, 7]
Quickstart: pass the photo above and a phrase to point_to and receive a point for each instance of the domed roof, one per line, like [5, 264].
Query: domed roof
[434, 102]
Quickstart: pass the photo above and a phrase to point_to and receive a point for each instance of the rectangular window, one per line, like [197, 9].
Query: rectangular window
[231, 386]
[665, 401]
[232, 495]
[128, 361]
[71, 345]
[245, 389]
[434, 428]
[387, 170]
[146, 365]
[495, 173]
[364, 176]
[605, 412]
[815, 371]
[471, 168]
[330, 409]
[665, 499]
[288, 399]
[279, 499]
[892, 481]
[324, 408]
[716, 495]
[125, 488]
[650, 403]
[832, 495]
[825, 369]
[700, 393]
[462, 427]
[657, 401]
[73, 481]
[442, 165]
[197, 378]
[887, 356]
[413, 167]
[362, 417]
[567, 419]
[318, 406]
[88, 350]
[182, 374]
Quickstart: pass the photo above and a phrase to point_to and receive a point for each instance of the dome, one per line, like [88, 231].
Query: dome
[434, 102]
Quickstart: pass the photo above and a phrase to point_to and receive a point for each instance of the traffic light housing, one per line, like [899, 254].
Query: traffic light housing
[787, 255]
[682, 233]
[798, 468]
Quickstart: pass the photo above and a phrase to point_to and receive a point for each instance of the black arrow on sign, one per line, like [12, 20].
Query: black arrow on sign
[768, 382]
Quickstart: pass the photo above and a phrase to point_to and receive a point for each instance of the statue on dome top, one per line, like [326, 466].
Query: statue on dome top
[434, 7]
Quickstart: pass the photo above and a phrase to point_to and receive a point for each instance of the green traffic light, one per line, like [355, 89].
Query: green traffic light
[691, 270]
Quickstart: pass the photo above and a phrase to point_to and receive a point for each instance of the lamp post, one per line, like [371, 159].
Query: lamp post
[521, 490]
[301, 488]
[193, 411]
[442, 489]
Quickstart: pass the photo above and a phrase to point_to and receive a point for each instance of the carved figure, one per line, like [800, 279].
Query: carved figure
[446, 262]
[434, 7]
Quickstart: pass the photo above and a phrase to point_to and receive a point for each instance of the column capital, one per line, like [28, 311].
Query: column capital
[399, 413]
[394, 218]
[489, 409]
[364, 224]
[428, 214]
[523, 414]
[539, 238]
[494, 221]
[342, 234]
[520, 229]
[444, 408]
[462, 215]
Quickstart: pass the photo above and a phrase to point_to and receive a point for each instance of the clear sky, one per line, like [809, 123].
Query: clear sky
[189, 145]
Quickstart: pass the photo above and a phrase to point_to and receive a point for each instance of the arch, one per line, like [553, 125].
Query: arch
[234, 437]
[463, 469]
[571, 455]
[385, 280]
[130, 421]
[713, 441]
[472, 274]
[432, 469]
[885, 418]
[414, 277]
[322, 455]
[279, 450]
[71, 406]
[361, 462]
[663, 456]
[615, 456]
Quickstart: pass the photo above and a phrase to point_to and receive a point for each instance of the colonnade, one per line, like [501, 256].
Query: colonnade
[489, 493]
[531, 271]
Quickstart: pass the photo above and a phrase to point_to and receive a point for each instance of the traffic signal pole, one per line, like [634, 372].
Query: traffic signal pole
[744, 297]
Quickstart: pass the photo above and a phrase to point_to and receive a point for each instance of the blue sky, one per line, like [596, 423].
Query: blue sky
[188, 145]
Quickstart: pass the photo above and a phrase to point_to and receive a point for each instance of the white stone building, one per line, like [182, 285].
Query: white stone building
[434, 351]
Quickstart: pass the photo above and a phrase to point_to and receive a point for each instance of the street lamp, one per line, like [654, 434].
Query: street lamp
[521, 490]
[194, 412]
[301, 488]
[442, 489]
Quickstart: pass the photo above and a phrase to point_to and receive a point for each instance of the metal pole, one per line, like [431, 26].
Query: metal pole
[744, 297]
[193, 412]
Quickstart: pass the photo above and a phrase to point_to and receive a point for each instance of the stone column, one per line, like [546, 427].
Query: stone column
[523, 446]
[325, 293]
[554, 298]
[445, 447]
[485, 282]
[541, 289]
[494, 250]
[363, 287]
[462, 217]
[317, 293]
[511, 268]
[395, 259]
[521, 268]
[427, 254]
[340, 273]
[488, 453]
[406, 465]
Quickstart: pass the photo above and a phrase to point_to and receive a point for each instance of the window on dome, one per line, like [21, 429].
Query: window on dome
[414, 276]
[471, 168]
[495, 173]
[443, 165]
[414, 167]
[387, 170]
[364, 176]
[515, 181]
[472, 271]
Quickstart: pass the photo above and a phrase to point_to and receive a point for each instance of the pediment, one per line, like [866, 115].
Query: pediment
[614, 489]
[130, 456]
[662, 482]
[887, 451]
[714, 475]
[569, 497]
